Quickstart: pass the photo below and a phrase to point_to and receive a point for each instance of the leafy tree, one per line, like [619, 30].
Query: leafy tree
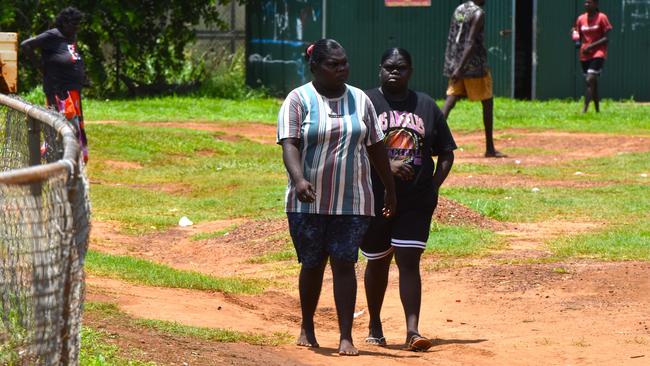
[125, 43]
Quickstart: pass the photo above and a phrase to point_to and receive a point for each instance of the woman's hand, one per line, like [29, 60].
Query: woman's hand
[401, 169]
[305, 191]
[390, 204]
[291, 157]
[456, 75]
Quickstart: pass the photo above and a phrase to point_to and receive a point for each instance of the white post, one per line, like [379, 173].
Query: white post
[324, 19]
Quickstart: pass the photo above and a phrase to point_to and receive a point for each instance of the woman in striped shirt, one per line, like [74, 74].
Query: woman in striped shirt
[329, 136]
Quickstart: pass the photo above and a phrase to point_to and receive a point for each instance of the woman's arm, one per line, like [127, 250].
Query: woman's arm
[291, 159]
[28, 47]
[379, 160]
[602, 40]
[445, 162]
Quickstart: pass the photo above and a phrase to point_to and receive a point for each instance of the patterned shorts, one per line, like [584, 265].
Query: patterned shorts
[317, 237]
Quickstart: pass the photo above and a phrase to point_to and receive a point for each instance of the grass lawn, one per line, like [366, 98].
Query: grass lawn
[153, 274]
[97, 350]
[197, 174]
[565, 115]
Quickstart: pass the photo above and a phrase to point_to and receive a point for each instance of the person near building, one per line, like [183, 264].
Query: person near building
[467, 68]
[592, 27]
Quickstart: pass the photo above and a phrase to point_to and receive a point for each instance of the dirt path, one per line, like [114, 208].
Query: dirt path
[479, 311]
[595, 313]
[484, 314]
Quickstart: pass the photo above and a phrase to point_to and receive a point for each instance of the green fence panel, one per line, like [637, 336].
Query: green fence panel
[499, 33]
[276, 34]
[625, 74]
[367, 28]
[557, 57]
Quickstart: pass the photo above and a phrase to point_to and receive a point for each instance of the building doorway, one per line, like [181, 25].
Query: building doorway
[523, 49]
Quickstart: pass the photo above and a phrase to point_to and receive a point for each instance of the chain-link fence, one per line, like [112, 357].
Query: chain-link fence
[44, 227]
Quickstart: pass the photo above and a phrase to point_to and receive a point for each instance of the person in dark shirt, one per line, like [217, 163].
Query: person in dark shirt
[62, 68]
[414, 130]
[467, 68]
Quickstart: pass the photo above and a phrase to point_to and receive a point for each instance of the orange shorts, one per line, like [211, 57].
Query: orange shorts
[472, 88]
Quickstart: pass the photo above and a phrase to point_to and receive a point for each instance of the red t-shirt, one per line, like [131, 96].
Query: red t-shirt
[591, 31]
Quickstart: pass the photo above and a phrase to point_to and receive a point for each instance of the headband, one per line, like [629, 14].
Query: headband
[310, 49]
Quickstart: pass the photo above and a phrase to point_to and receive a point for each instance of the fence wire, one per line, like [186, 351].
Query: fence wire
[44, 229]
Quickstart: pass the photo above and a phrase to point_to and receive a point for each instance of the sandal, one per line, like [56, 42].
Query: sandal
[381, 341]
[417, 343]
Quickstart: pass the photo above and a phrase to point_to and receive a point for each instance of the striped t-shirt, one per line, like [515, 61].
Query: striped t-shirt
[333, 136]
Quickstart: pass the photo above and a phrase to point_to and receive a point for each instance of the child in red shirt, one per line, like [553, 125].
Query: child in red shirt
[593, 27]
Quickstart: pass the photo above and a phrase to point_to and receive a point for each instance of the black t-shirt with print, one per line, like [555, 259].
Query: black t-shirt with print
[64, 67]
[415, 130]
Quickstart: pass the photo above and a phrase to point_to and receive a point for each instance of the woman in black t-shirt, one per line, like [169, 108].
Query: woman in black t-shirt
[415, 130]
[62, 68]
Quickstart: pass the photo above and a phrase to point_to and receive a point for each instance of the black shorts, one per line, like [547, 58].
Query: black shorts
[593, 66]
[317, 237]
[409, 228]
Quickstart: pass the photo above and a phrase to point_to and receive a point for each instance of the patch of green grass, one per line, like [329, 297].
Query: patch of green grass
[565, 115]
[176, 108]
[617, 203]
[442, 264]
[460, 241]
[152, 274]
[560, 270]
[239, 180]
[95, 351]
[214, 334]
[108, 310]
[212, 235]
[283, 255]
[631, 242]
[622, 167]
[628, 168]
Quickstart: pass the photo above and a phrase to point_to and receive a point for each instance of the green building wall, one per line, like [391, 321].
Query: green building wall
[625, 74]
[278, 31]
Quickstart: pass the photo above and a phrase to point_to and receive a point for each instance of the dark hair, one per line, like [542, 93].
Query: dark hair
[396, 51]
[318, 51]
[67, 16]
[596, 3]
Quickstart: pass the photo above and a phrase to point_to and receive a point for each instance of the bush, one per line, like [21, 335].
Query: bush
[226, 78]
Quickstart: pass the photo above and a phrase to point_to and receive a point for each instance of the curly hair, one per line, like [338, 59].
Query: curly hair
[67, 16]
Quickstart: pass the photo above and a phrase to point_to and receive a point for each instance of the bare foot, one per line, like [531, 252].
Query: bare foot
[307, 339]
[495, 154]
[346, 348]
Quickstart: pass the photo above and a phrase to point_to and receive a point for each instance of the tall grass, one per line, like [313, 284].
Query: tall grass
[227, 79]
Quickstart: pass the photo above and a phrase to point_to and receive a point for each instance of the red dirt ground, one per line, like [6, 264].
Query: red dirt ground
[479, 311]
